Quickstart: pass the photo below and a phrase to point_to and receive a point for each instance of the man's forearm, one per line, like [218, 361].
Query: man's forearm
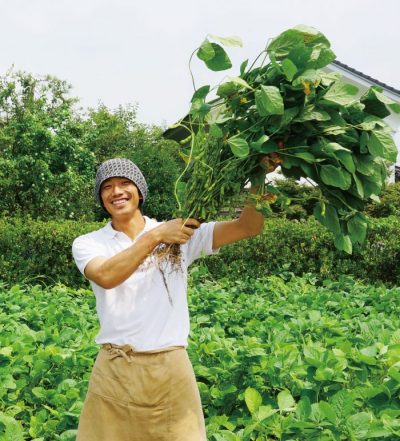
[118, 268]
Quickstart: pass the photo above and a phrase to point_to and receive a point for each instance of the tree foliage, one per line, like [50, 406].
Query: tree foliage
[49, 151]
[43, 163]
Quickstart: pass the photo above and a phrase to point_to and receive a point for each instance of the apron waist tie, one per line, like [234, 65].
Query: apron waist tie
[128, 351]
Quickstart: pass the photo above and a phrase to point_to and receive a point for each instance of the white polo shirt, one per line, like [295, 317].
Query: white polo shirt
[138, 311]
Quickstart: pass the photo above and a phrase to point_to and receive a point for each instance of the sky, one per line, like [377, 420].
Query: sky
[121, 52]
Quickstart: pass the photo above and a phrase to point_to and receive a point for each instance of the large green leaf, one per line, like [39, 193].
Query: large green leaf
[288, 116]
[253, 399]
[357, 227]
[343, 243]
[335, 177]
[257, 145]
[265, 412]
[310, 76]
[381, 144]
[371, 187]
[239, 146]
[328, 411]
[321, 56]
[214, 56]
[289, 69]
[283, 43]
[311, 113]
[228, 41]
[303, 410]
[358, 425]
[69, 435]
[269, 147]
[305, 156]
[377, 103]
[215, 131]
[342, 154]
[340, 94]
[328, 217]
[206, 51]
[359, 186]
[364, 164]
[286, 402]
[346, 158]
[371, 122]
[200, 93]
[232, 86]
[199, 108]
[227, 89]
[300, 36]
[10, 428]
[269, 101]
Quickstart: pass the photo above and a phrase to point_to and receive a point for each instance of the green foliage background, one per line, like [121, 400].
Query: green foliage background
[49, 151]
[38, 250]
[275, 358]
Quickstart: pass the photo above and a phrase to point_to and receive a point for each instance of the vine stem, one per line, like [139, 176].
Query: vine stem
[190, 68]
[192, 142]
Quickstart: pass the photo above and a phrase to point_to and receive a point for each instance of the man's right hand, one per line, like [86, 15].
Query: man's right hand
[176, 231]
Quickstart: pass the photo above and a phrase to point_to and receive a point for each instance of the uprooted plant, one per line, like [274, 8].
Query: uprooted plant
[285, 109]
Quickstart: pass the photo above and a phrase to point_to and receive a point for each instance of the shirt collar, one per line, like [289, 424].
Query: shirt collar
[149, 224]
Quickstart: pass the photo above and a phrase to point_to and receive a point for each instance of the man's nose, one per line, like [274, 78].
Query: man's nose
[116, 190]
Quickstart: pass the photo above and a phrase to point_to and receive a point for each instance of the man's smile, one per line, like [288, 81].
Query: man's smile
[120, 201]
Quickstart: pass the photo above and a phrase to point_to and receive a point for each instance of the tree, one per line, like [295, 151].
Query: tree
[44, 167]
[49, 151]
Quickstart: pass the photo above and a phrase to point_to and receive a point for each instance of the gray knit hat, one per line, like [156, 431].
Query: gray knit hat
[120, 167]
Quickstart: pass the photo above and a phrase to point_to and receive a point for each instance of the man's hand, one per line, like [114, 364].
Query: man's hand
[176, 231]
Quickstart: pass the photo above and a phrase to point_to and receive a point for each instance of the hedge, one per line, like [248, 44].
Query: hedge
[41, 251]
[304, 198]
[306, 247]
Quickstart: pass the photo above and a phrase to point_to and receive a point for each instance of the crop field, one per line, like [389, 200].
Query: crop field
[278, 358]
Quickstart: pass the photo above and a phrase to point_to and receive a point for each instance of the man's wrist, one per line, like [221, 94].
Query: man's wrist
[153, 238]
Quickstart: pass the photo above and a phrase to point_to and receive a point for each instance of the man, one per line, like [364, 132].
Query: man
[142, 386]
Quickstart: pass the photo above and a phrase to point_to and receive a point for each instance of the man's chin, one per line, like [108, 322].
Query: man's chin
[122, 211]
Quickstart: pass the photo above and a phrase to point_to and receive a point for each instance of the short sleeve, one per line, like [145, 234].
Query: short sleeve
[84, 249]
[200, 244]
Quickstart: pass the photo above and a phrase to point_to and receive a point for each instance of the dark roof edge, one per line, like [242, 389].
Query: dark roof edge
[366, 77]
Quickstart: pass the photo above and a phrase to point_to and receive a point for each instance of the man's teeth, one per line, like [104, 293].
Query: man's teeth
[119, 202]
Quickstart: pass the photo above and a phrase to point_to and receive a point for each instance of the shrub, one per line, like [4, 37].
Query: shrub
[390, 202]
[303, 199]
[35, 249]
[40, 250]
[306, 247]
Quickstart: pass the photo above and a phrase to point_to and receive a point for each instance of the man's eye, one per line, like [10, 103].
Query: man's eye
[106, 187]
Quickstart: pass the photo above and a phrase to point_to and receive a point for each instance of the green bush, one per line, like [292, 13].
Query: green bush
[34, 249]
[307, 247]
[390, 202]
[303, 198]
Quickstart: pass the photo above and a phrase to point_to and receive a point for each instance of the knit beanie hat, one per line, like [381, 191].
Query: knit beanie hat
[122, 168]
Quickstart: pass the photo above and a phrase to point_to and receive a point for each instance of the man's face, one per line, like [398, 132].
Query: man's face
[120, 196]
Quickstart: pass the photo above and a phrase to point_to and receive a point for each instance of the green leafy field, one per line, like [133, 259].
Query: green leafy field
[275, 359]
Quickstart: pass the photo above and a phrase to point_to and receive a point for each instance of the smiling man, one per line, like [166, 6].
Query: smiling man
[142, 386]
